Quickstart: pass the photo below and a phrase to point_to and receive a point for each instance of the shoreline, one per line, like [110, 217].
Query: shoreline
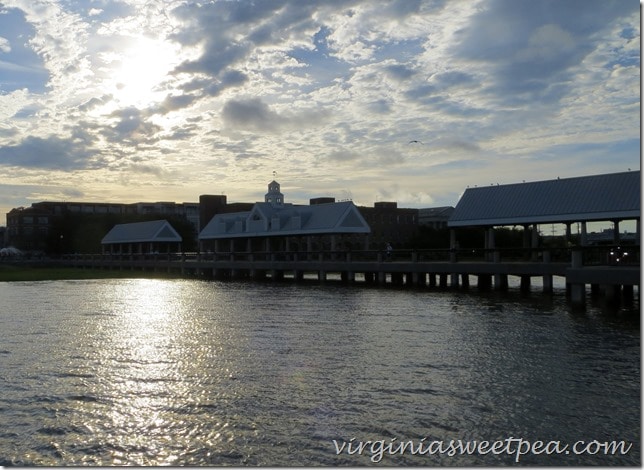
[23, 272]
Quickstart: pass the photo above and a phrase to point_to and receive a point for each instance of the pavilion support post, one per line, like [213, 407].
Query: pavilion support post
[351, 276]
[452, 245]
[526, 241]
[616, 237]
[577, 290]
[547, 278]
[584, 234]
[525, 283]
[535, 242]
[490, 243]
[500, 280]
[612, 293]
[484, 281]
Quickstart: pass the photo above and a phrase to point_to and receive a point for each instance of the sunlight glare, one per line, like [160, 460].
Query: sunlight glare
[143, 67]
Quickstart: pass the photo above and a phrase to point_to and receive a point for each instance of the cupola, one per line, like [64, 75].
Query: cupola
[274, 196]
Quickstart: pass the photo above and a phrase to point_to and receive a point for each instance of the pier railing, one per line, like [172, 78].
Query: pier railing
[611, 269]
[591, 256]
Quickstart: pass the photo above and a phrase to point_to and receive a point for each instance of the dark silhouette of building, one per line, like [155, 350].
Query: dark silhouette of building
[52, 227]
[389, 224]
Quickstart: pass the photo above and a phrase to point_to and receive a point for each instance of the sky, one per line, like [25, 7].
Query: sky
[405, 100]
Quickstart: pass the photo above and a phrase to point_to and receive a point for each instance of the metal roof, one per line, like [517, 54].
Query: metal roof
[266, 219]
[585, 198]
[141, 232]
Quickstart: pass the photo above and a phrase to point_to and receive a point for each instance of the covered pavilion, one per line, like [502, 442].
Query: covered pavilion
[611, 197]
[274, 225]
[155, 236]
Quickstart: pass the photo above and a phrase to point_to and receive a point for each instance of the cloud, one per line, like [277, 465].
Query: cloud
[132, 126]
[174, 103]
[312, 87]
[527, 50]
[343, 155]
[253, 114]
[399, 72]
[5, 46]
[49, 153]
[27, 111]
[94, 102]
[396, 193]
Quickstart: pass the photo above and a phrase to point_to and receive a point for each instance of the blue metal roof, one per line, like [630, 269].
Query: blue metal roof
[585, 198]
[139, 232]
[266, 219]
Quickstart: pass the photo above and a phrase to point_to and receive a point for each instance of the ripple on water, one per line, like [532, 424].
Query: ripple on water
[194, 373]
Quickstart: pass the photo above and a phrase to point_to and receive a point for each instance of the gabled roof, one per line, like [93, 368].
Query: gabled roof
[585, 198]
[266, 219]
[141, 232]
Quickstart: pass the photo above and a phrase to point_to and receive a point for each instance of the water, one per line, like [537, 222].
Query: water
[183, 372]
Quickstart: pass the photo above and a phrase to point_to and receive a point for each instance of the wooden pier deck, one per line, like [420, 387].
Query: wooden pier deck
[441, 268]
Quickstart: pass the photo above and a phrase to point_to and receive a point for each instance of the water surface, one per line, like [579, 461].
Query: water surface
[184, 372]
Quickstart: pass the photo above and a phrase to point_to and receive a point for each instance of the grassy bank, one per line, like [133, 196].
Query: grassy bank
[9, 273]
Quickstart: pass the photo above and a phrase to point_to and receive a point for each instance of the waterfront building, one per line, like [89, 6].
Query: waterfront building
[42, 226]
[274, 225]
[154, 236]
[210, 205]
[609, 197]
[435, 217]
[390, 224]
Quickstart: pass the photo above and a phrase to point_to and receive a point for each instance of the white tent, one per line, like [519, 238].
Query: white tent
[10, 251]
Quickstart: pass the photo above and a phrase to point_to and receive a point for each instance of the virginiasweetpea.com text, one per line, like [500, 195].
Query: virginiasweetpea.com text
[512, 446]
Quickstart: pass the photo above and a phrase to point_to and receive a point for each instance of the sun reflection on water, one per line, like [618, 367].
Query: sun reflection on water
[147, 370]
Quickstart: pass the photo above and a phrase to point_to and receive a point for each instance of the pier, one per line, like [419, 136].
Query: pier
[598, 267]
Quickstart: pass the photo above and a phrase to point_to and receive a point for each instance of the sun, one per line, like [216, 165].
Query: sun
[142, 67]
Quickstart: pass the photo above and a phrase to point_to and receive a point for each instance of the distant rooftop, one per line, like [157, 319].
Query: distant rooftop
[268, 219]
[141, 232]
[584, 198]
